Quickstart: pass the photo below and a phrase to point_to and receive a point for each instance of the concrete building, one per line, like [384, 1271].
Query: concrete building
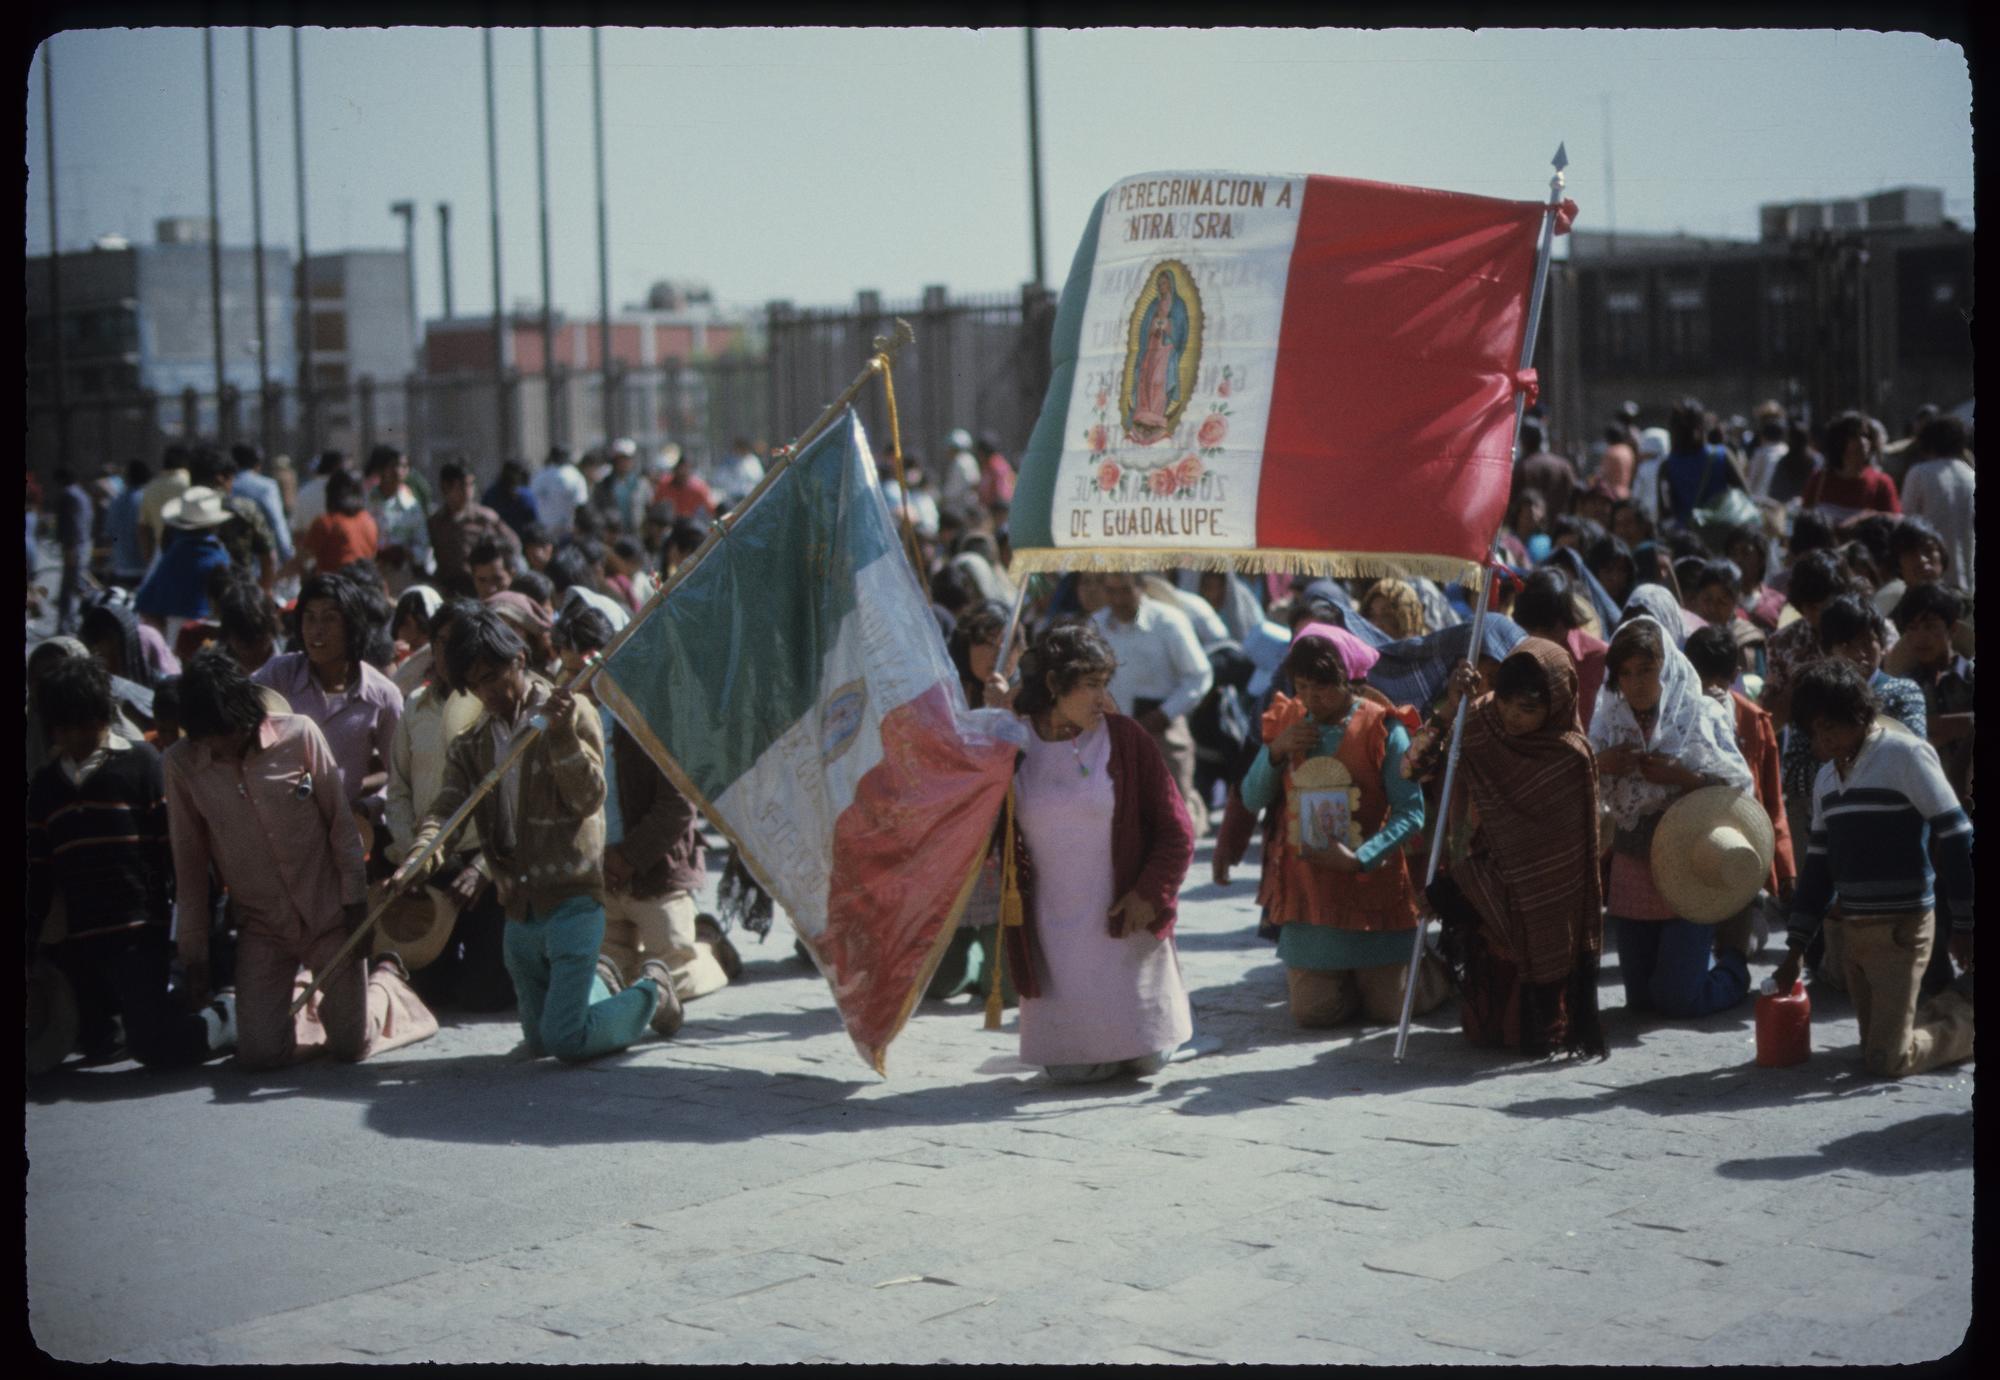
[364, 348]
[1863, 302]
[663, 355]
[138, 331]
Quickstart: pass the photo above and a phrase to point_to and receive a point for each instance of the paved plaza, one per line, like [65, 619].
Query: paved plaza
[750, 1192]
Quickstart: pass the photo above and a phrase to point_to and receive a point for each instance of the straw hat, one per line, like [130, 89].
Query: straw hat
[1712, 853]
[197, 507]
[52, 1017]
[415, 928]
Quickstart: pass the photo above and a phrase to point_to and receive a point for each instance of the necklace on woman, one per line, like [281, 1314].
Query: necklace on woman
[1069, 733]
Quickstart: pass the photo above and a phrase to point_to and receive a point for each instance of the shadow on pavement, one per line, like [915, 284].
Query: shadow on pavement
[1942, 1140]
[1733, 1088]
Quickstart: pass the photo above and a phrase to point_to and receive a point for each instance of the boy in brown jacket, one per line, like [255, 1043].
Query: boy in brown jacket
[542, 830]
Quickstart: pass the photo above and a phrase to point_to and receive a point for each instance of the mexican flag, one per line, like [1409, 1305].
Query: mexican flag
[1282, 373]
[794, 686]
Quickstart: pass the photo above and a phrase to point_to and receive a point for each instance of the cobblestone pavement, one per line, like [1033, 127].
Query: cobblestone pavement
[750, 1192]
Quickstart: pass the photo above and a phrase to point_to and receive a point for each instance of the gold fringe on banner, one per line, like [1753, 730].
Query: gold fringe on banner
[1336, 565]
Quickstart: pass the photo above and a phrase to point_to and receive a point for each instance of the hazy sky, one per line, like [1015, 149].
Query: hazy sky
[807, 164]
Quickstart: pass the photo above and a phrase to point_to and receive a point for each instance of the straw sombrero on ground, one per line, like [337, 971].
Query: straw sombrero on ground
[52, 1017]
[416, 927]
[1712, 853]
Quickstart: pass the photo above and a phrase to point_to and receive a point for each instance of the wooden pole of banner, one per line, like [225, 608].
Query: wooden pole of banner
[885, 349]
[1542, 255]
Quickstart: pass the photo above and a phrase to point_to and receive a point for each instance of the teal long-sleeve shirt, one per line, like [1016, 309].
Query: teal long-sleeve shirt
[1406, 798]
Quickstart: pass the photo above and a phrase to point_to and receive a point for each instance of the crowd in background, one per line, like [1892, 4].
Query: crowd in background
[1751, 574]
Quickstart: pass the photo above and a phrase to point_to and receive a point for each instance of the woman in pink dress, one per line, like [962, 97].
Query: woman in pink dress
[1101, 842]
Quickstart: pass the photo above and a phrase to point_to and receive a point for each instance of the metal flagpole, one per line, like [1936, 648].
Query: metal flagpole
[610, 402]
[214, 235]
[267, 421]
[55, 256]
[308, 411]
[1542, 254]
[885, 349]
[542, 198]
[503, 451]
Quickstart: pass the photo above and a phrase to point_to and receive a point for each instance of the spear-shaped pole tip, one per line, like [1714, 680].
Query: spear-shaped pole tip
[1561, 160]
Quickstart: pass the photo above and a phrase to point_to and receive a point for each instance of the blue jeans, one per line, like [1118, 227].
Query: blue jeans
[1666, 966]
[566, 1010]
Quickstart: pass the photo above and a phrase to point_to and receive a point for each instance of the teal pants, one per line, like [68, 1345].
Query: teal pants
[566, 1010]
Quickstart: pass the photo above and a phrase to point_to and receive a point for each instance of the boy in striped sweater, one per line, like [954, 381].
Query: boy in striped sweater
[97, 839]
[1876, 803]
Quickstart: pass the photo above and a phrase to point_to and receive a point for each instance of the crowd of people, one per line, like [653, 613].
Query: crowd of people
[1704, 643]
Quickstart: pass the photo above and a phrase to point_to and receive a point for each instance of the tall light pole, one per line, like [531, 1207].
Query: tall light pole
[542, 196]
[603, 235]
[214, 232]
[1035, 159]
[55, 254]
[308, 412]
[264, 418]
[493, 197]
[444, 253]
[408, 211]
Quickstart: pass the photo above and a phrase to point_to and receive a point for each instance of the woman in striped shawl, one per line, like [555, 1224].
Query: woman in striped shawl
[1523, 915]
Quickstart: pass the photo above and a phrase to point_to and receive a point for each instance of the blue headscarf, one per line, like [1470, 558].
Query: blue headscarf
[1580, 576]
[1416, 670]
[1332, 592]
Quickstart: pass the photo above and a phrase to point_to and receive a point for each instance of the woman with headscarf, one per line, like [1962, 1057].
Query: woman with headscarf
[1393, 606]
[967, 964]
[1549, 609]
[1329, 602]
[1657, 602]
[128, 647]
[533, 624]
[979, 568]
[1416, 670]
[1336, 879]
[1657, 737]
[410, 626]
[1606, 608]
[1523, 915]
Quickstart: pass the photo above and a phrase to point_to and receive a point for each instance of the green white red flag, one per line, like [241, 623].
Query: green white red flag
[795, 687]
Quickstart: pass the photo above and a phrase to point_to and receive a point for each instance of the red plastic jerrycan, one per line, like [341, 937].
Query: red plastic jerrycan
[1784, 1027]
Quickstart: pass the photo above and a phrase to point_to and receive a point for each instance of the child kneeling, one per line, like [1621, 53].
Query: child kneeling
[1877, 800]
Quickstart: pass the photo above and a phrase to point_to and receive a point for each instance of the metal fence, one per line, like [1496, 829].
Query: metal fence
[981, 363]
[701, 406]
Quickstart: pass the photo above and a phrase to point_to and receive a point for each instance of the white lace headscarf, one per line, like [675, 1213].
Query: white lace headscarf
[1658, 601]
[1691, 728]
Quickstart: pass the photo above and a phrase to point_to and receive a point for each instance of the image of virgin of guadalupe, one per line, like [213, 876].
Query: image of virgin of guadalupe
[1156, 376]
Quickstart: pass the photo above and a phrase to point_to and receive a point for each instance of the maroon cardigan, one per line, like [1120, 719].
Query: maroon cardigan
[1152, 843]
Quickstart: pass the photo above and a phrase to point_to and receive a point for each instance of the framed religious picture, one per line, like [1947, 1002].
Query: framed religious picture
[1322, 800]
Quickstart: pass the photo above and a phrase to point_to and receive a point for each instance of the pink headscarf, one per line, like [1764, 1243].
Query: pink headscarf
[1357, 656]
[517, 607]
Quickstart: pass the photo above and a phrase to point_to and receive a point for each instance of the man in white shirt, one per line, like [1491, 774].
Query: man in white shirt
[1162, 675]
[559, 488]
[1770, 450]
[1939, 489]
[1654, 444]
[958, 483]
[401, 523]
[311, 502]
[738, 473]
